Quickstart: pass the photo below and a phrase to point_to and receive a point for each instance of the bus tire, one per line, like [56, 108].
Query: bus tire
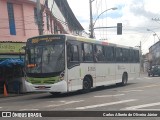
[55, 93]
[86, 85]
[124, 79]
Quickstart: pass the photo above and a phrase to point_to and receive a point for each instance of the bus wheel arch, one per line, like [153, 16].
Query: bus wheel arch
[124, 79]
[87, 83]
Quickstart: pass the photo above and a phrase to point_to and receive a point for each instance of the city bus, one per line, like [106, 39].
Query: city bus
[65, 63]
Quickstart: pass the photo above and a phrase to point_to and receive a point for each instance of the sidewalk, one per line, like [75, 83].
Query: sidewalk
[143, 74]
[12, 95]
[20, 94]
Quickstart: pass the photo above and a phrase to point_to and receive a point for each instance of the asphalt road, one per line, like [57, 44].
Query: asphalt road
[141, 94]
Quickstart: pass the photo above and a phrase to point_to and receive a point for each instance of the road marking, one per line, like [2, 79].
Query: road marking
[147, 109]
[109, 95]
[153, 85]
[132, 91]
[65, 103]
[28, 109]
[58, 101]
[141, 106]
[105, 104]
[135, 89]
[147, 78]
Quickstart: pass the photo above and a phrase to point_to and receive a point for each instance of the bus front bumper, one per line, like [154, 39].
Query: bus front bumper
[57, 87]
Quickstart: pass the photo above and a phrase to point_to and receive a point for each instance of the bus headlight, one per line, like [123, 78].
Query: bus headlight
[61, 76]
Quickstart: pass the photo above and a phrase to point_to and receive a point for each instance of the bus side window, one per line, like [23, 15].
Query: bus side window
[72, 53]
[125, 54]
[119, 55]
[131, 56]
[99, 53]
[87, 52]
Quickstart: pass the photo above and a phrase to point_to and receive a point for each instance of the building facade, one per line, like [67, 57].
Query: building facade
[154, 53]
[19, 21]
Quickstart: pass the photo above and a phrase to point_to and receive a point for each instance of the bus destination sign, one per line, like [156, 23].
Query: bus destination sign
[46, 39]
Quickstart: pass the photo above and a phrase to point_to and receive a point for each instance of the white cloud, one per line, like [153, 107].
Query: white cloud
[135, 15]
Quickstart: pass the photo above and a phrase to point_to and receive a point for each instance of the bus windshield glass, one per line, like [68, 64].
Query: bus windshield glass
[42, 58]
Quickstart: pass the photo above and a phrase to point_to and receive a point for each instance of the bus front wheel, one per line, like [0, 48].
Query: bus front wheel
[86, 85]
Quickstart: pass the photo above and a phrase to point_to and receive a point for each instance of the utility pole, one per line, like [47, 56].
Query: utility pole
[140, 57]
[39, 17]
[141, 62]
[91, 19]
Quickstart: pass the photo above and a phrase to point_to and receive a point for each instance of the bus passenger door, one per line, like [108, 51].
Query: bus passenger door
[73, 66]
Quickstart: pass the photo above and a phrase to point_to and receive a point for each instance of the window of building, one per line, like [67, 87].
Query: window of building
[46, 3]
[35, 16]
[87, 52]
[47, 20]
[11, 18]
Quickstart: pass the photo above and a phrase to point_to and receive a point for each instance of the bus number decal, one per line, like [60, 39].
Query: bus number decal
[91, 68]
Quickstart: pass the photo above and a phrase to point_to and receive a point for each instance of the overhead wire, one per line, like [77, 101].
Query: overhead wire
[105, 31]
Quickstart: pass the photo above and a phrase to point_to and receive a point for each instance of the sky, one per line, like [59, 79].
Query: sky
[136, 17]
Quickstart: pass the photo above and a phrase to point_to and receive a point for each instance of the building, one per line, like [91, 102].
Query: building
[19, 21]
[154, 53]
[146, 64]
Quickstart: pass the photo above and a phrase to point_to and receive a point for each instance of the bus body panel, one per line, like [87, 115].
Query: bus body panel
[74, 78]
[120, 69]
[105, 74]
[76, 75]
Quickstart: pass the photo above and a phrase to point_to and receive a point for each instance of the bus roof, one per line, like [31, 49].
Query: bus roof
[84, 39]
[95, 41]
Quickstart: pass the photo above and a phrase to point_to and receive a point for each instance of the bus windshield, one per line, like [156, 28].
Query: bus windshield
[45, 58]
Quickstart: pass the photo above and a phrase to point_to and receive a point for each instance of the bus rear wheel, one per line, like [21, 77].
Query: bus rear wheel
[124, 79]
[86, 85]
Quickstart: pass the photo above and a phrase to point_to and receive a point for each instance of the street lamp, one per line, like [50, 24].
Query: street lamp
[91, 18]
[102, 13]
[154, 33]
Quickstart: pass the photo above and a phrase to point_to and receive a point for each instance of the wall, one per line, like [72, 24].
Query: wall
[24, 22]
